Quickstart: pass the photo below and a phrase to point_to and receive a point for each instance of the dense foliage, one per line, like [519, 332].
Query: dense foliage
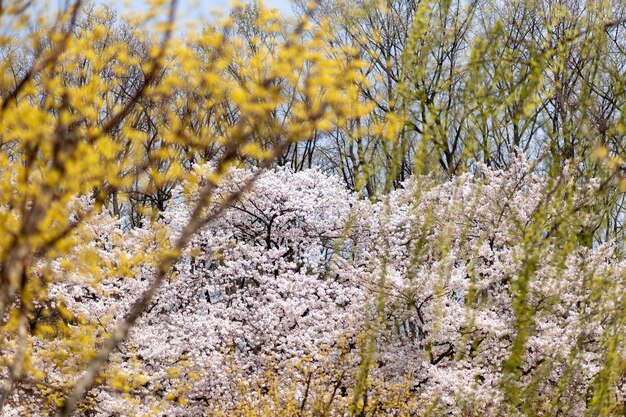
[278, 305]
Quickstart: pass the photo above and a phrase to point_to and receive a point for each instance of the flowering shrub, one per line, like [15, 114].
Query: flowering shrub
[305, 298]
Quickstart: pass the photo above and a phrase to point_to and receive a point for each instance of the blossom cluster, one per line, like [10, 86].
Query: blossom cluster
[438, 291]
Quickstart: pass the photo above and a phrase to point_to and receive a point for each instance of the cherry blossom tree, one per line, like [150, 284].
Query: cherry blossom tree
[463, 298]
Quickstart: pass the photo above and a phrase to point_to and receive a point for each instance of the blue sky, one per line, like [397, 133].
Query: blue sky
[194, 9]
[282, 5]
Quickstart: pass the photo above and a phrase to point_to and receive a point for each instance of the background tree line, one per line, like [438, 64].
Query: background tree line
[450, 83]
